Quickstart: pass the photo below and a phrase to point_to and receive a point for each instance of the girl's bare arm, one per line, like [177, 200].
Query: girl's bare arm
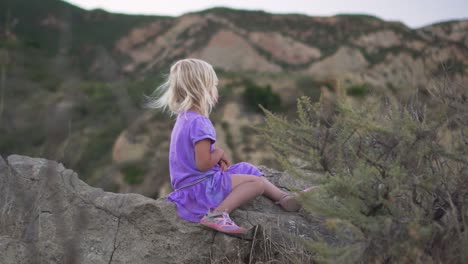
[205, 159]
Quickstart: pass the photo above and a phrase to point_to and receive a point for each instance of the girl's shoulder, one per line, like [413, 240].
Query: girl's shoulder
[193, 121]
[192, 116]
[195, 126]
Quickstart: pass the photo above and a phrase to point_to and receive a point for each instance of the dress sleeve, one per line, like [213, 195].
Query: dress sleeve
[202, 128]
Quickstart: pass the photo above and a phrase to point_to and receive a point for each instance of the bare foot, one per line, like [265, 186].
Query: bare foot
[290, 203]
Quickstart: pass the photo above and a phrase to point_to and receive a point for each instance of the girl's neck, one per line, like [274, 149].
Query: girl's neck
[194, 110]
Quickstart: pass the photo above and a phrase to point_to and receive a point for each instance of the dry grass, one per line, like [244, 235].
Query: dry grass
[264, 249]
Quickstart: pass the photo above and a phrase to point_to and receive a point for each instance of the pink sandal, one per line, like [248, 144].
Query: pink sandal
[221, 222]
[290, 203]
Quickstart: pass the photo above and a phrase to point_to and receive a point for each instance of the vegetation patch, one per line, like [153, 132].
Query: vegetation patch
[133, 174]
[98, 148]
[393, 187]
[451, 66]
[255, 95]
[380, 55]
[138, 89]
[310, 87]
[359, 90]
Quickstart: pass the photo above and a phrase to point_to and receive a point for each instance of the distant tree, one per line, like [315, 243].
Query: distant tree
[255, 95]
[310, 87]
[7, 44]
[359, 90]
[396, 175]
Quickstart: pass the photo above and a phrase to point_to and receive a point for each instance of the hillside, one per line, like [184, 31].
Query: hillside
[73, 80]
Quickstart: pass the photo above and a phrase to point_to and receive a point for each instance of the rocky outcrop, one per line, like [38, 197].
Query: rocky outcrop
[345, 61]
[230, 51]
[284, 48]
[452, 31]
[378, 40]
[48, 215]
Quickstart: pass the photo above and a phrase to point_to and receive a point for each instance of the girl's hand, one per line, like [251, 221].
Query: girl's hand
[225, 159]
[206, 159]
[223, 165]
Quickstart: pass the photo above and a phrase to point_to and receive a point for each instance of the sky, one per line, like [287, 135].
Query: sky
[413, 13]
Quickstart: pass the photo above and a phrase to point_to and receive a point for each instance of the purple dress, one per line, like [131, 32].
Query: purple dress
[195, 191]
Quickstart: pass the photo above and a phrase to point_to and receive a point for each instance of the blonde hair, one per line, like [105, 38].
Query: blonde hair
[191, 84]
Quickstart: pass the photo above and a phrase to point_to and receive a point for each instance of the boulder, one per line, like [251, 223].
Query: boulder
[48, 215]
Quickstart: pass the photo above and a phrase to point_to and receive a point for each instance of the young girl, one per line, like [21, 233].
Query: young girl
[206, 186]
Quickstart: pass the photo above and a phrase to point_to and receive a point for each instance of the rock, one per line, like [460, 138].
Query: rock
[346, 60]
[48, 215]
[284, 48]
[382, 39]
[230, 51]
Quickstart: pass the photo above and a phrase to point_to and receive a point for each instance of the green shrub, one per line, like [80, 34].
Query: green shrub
[255, 95]
[133, 174]
[137, 89]
[391, 173]
[309, 87]
[96, 90]
[359, 90]
[97, 151]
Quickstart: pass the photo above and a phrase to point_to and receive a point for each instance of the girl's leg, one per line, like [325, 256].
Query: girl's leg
[271, 191]
[287, 201]
[244, 189]
[247, 169]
